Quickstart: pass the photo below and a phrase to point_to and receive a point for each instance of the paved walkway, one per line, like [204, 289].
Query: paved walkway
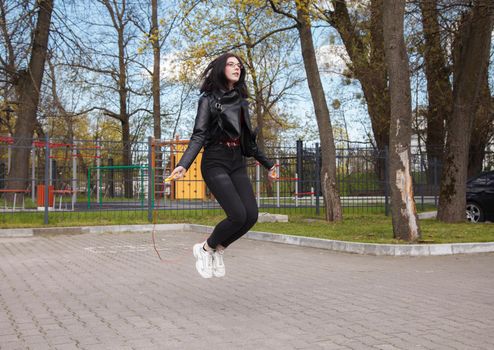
[110, 291]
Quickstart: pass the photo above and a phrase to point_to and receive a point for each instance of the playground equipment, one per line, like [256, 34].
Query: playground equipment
[71, 152]
[60, 169]
[192, 186]
[99, 180]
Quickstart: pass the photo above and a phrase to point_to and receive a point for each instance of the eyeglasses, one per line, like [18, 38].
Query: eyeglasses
[233, 65]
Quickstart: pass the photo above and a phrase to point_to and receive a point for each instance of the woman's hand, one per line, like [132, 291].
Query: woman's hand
[178, 173]
[272, 173]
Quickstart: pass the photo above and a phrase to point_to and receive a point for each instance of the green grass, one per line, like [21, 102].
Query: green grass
[369, 227]
[354, 183]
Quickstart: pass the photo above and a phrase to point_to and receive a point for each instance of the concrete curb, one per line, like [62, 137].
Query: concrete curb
[340, 246]
[427, 215]
[362, 248]
[18, 232]
[29, 232]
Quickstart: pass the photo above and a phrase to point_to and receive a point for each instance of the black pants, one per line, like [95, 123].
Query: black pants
[225, 173]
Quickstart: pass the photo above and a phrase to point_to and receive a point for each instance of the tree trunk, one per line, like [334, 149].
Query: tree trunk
[124, 116]
[472, 59]
[27, 88]
[438, 86]
[328, 168]
[258, 99]
[369, 67]
[261, 140]
[155, 37]
[258, 107]
[127, 160]
[482, 130]
[404, 213]
[119, 22]
[155, 40]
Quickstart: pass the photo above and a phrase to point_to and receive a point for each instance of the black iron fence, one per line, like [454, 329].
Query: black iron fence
[84, 179]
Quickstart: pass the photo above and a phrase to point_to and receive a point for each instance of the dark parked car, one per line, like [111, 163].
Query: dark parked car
[480, 197]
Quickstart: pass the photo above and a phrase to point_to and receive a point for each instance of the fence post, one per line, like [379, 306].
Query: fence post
[299, 167]
[98, 175]
[297, 190]
[434, 160]
[386, 181]
[278, 182]
[318, 178]
[33, 173]
[420, 180]
[88, 187]
[74, 176]
[111, 179]
[258, 183]
[50, 171]
[9, 157]
[47, 177]
[150, 179]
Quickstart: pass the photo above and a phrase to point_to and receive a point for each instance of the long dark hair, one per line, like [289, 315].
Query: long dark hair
[213, 77]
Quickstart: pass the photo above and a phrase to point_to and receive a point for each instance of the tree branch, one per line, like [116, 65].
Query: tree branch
[279, 11]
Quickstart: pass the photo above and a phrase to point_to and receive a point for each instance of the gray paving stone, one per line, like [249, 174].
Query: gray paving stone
[110, 291]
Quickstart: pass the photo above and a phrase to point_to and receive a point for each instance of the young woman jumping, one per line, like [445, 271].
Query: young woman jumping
[223, 127]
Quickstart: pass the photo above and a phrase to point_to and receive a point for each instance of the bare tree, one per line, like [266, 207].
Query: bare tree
[328, 151]
[156, 70]
[404, 213]
[362, 35]
[113, 68]
[26, 83]
[266, 50]
[439, 88]
[472, 50]
[158, 33]
[482, 129]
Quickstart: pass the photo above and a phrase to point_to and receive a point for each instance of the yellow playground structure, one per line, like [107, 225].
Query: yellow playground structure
[192, 186]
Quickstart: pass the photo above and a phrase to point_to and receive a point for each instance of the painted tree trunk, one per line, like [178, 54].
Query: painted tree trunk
[403, 210]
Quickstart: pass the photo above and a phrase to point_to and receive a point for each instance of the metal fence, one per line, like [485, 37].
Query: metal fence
[84, 179]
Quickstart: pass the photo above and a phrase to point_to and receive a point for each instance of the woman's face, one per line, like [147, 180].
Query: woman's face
[232, 70]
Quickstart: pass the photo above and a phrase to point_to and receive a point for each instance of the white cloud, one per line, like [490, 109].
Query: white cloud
[170, 67]
[332, 59]
[174, 67]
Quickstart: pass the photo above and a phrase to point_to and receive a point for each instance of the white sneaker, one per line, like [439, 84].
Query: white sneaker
[218, 264]
[204, 261]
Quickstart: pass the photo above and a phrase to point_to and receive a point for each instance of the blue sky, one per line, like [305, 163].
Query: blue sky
[352, 108]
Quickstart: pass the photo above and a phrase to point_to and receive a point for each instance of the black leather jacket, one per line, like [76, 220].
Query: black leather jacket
[218, 118]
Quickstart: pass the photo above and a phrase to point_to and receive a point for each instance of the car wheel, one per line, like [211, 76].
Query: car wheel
[474, 212]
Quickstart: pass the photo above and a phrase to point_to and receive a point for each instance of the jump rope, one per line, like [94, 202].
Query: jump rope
[155, 219]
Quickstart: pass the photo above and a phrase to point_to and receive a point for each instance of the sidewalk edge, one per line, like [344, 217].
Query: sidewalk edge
[335, 245]
[364, 248]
